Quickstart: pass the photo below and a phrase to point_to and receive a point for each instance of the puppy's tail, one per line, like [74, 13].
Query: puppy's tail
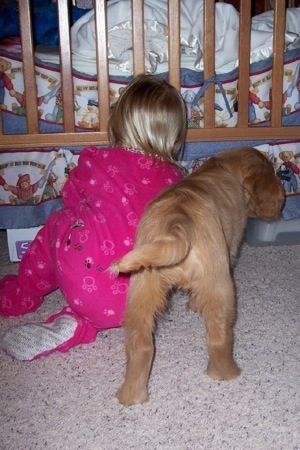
[165, 251]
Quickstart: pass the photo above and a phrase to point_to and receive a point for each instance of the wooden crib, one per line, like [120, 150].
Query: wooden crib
[209, 132]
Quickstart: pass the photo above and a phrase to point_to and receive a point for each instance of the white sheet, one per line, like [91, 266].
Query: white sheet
[156, 44]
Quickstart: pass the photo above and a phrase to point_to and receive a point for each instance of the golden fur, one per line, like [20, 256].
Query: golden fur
[189, 238]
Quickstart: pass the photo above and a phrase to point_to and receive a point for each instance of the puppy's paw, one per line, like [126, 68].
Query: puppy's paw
[228, 372]
[128, 397]
[114, 269]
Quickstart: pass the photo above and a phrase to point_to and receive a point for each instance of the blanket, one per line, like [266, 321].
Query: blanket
[191, 34]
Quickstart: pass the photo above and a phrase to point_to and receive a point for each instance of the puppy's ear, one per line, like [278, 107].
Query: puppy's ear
[264, 195]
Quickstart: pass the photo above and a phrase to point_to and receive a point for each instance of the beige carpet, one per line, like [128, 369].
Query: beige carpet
[67, 401]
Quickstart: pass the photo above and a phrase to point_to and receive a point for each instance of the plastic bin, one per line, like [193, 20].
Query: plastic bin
[19, 240]
[281, 232]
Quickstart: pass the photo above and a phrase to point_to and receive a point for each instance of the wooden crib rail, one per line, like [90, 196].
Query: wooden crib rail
[70, 137]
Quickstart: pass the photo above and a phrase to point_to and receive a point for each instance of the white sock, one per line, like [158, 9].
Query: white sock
[25, 342]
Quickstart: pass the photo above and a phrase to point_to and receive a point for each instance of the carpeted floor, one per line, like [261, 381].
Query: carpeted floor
[67, 401]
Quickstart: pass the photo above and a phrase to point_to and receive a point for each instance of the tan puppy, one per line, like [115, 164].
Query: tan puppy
[188, 238]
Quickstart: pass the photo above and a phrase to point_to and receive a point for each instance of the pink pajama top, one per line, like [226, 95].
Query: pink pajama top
[104, 199]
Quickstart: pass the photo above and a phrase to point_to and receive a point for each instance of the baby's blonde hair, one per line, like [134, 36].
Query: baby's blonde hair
[150, 115]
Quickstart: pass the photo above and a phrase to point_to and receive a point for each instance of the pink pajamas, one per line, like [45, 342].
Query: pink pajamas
[104, 199]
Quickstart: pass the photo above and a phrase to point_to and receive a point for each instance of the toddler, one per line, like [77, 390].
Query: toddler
[104, 198]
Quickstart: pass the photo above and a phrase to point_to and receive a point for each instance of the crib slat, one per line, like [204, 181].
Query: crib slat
[137, 10]
[193, 135]
[209, 61]
[244, 62]
[248, 133]
[174, 42]
[102, 62]
[209, 133]
[30, 88]
[278, 62]
[66, 66]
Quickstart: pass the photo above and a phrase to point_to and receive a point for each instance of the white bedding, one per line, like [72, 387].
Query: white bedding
[156, 40]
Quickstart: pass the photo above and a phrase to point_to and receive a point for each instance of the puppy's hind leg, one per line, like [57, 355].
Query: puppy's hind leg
[146, 299]
[218, 313]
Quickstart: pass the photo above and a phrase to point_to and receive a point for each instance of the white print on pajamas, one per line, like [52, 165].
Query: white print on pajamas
[100, 218]
[108, 247]
[169, 181]
[107, 187]
[59, 268]
[109, 312]
[27, 301]
[124, 201]
[7, 303]
[145, 163]
[145, 181]
[89, 284]
[43, 285]
[67, 247]
[128, 242]
[119, 288]
[83, 236]
[112, 170]
[32, 249]
[129, 189]
[93, 182]
[89, 262]
[132, 219]
[77, 302]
